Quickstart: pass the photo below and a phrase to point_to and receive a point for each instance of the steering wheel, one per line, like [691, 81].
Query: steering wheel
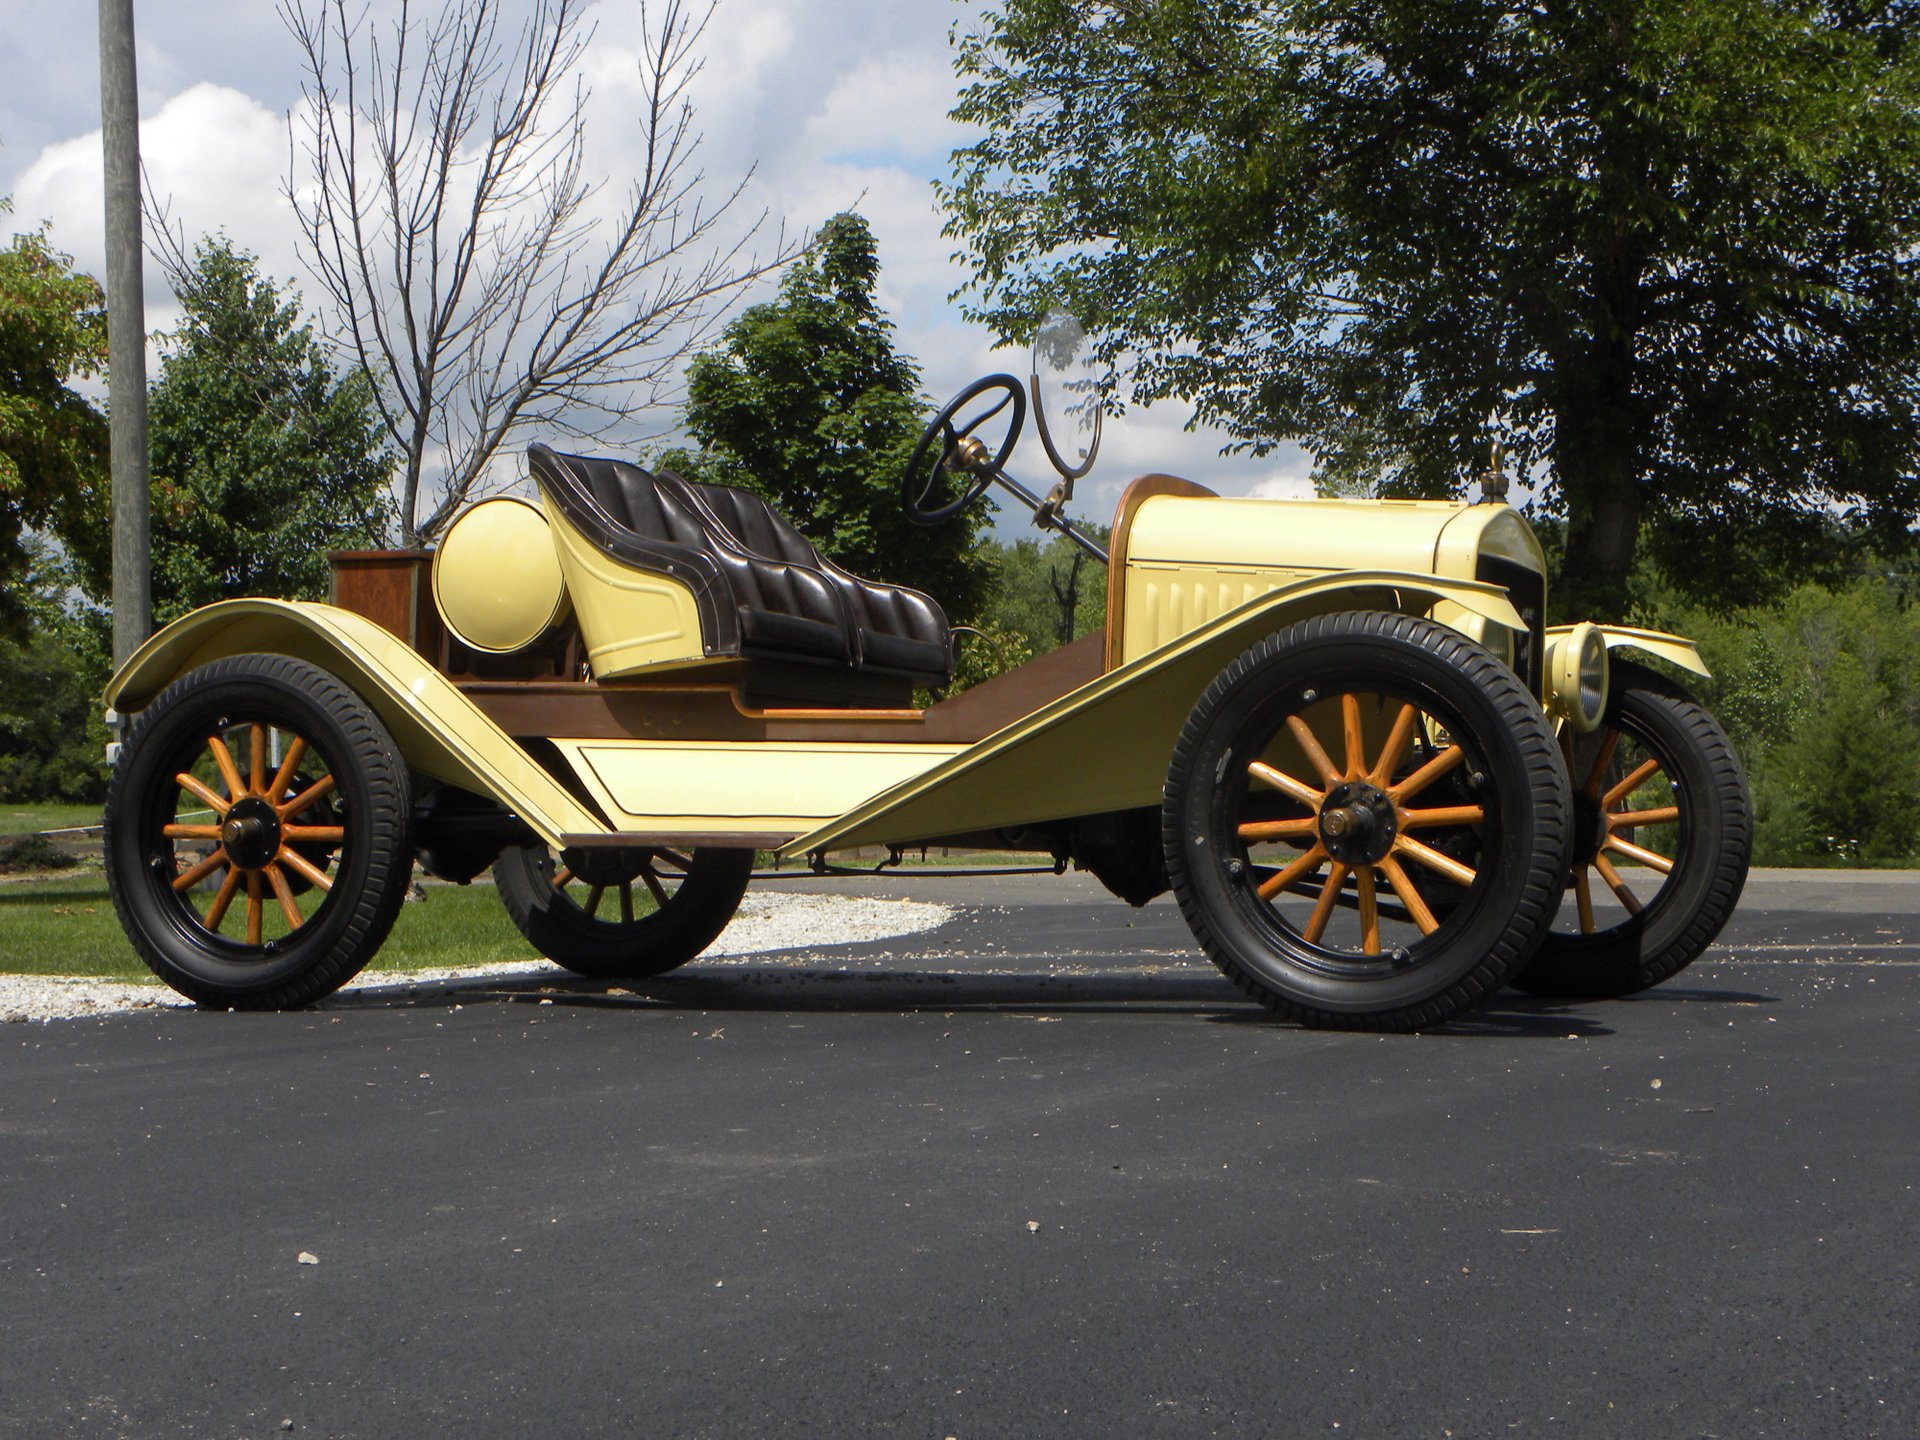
[921, 480]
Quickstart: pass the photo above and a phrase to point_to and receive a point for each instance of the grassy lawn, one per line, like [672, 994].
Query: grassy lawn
[66, 926]
[26, 819]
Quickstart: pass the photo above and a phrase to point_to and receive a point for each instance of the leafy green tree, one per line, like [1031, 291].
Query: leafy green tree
[1033, 582]
[52, 736]
[53, 443]
[809, 404]
[1667, 245]
[263, 458]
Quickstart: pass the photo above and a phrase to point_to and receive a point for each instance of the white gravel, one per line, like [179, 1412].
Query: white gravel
[764, 923]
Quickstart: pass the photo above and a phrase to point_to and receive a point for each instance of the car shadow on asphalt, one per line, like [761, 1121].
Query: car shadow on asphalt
[802, 990]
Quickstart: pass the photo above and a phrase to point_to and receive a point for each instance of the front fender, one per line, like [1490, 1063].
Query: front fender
[1675, 649]
[439, 730]
[1106, 746]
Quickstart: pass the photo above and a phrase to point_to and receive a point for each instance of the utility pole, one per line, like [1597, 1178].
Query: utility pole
[126, 329]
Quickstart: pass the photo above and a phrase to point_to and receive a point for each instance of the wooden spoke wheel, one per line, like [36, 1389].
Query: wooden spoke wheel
[1662, 839]
[1367, 822]
[256, 834]
[621, 914]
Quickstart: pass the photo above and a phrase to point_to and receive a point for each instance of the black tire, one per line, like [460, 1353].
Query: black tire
[701, 891]
[1478, 730]
[360, 851]
[1603, 953]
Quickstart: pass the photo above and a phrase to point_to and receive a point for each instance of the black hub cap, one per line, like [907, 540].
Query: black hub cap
[251, 833]
[1357, 823]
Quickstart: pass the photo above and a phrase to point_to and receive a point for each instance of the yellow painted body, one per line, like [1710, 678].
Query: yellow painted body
[439, 730]
[629, 619]
[715, 787]
[1675, 649]
[1253, 547]
[1106, 745]
[496, 577]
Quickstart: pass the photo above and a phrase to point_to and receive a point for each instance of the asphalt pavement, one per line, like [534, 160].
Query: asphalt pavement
[1041, 1172]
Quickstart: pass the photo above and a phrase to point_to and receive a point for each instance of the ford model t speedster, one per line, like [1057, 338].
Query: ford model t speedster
[1379, 787]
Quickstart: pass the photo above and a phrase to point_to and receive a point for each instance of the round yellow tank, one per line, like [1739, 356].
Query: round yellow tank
[496, 577]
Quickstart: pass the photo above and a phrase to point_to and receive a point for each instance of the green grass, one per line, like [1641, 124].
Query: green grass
[26, 819]
[65, 925]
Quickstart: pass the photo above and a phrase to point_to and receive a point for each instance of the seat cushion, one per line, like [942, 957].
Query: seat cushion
[922, 659]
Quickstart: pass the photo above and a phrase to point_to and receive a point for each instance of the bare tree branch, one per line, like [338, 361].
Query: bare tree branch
[447, 214]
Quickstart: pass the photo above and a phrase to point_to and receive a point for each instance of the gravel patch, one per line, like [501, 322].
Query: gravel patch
[764, 923]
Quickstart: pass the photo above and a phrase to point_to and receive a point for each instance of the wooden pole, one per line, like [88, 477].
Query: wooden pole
[126, 329]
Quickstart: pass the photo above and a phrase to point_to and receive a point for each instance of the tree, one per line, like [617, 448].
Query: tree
[53, 443]
[53, 737]
[808, 403]
[1044, 591]
[1668, 246]
[449, 219]
[263, 459]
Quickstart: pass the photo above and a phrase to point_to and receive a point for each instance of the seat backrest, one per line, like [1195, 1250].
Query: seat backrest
[752, 521]
[637, 501]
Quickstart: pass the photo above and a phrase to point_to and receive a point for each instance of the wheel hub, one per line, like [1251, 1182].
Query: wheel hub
[1357, 823]
[1589, 828]
[251, 833]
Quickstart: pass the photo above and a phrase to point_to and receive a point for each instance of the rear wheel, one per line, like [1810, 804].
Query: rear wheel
[256, 834]
[1663, 837]
[621, 914]
[1366, 822]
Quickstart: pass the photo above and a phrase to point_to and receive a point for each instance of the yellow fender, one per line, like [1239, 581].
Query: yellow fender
[1675, 649]
[1106, 745]
[439, 730]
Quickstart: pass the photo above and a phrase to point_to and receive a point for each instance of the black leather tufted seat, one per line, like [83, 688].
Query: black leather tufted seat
[761, 587]
[895, 628]
[749, 604]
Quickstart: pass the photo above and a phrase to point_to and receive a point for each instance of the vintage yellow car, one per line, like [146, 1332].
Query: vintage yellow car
[1378, 785]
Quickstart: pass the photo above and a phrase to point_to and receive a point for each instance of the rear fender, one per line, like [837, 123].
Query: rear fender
[439, 731]
[1674, 649]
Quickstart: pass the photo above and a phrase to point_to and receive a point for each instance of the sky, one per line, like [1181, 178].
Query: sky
[830, 104]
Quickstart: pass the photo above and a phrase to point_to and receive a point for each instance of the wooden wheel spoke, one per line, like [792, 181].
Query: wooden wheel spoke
[192, 876]
[1646, 857]
[1642, 773]
[1395, 749]
[1431, 858]
[1616, 884]
[594, 892]
[1665, 815]
[1409, 894]
[1316, 754]
[1355, 735]
[1258, 830]
[190, 832]
[1369, 911]
[682, 863]
[257, 747]
[1442, 815]
[203, 793]
[256, 911]
[1601, 760]
[304, 867]
[1583, 896]
[658, 891]
[562, 878]
[1323, 907]
[284, 894]
[314, 832]
[289, 763]
[229, 887]
[1448, 759]
[229, 772]
[626, 902]
[1285, 784]
[1281, 879]
[307, 797]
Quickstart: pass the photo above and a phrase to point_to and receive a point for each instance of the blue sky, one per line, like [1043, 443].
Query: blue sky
[832, 103]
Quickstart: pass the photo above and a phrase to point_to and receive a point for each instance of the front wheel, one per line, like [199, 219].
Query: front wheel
[1663, 837]
[1366, 822]
[621, 914]
[257, 834]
